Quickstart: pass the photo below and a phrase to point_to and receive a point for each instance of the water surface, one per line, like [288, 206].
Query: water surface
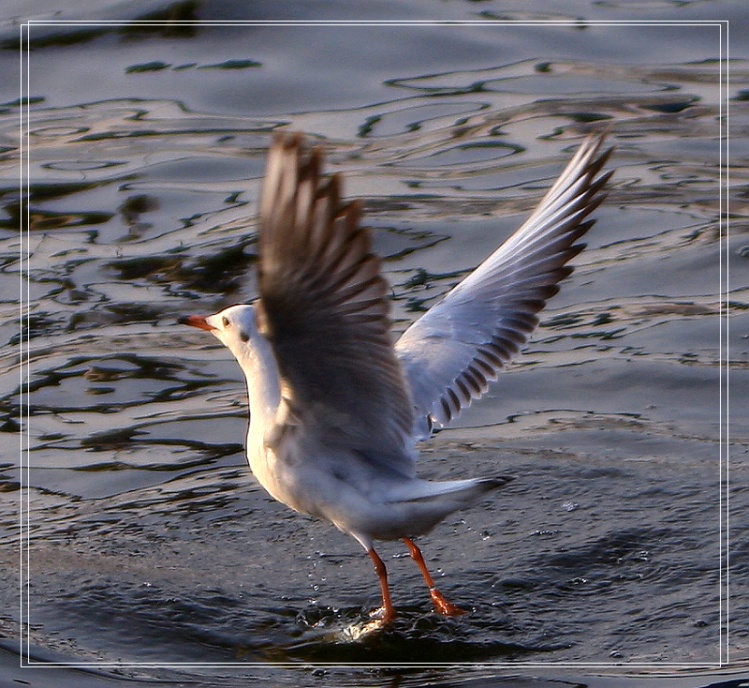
[149, 544]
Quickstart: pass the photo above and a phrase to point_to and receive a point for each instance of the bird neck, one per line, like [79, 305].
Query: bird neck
[263, 382]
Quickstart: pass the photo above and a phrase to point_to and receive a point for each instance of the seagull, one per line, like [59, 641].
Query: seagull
[336, 406]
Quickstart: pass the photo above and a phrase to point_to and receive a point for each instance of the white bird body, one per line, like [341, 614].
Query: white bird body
[359, 494]
[336, 409]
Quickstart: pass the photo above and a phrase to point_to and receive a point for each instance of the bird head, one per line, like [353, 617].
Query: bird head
[235, 327]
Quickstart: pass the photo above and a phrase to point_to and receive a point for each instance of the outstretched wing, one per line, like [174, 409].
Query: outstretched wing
[457, 347]
[324, 308]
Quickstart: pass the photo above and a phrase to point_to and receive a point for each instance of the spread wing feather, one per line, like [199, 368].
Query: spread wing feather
[452, 353]
[324, 308]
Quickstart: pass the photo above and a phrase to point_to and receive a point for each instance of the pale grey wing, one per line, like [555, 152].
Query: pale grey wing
[452, 353]
[324, 307]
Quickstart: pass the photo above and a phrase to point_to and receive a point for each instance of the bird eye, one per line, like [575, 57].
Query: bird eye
[225, 321]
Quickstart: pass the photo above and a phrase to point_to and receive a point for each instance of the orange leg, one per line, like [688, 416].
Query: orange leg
[387, 604]
[442, 605]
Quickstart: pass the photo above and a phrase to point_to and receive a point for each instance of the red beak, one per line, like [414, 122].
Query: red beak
[196, 321]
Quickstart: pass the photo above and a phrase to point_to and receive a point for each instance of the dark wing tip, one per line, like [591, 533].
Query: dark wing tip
[494, 483]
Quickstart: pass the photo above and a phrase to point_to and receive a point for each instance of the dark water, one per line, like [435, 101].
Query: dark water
[149, 553]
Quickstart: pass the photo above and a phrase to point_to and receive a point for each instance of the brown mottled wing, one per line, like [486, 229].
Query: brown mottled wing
[324, 308]
[452, 353]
